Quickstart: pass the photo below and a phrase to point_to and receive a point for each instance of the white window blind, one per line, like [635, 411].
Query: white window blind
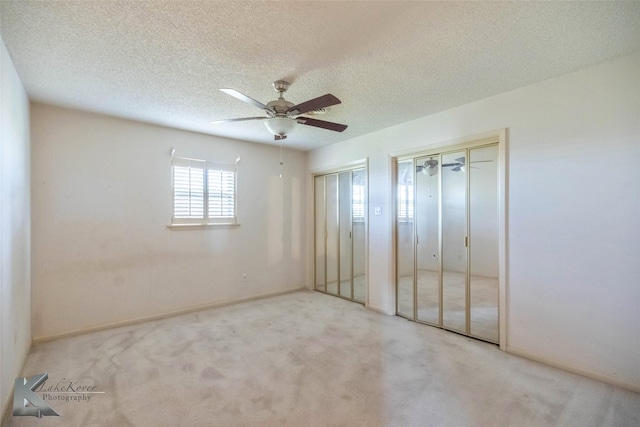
[188, 192]
[222, 193]
[203, 192]
[358, 202]
[405, 202]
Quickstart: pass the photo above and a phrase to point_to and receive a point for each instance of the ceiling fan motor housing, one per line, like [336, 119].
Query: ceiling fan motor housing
[280, 106]
[280, 124]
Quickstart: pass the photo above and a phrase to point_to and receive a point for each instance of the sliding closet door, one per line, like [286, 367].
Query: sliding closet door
[447, 240]
[344, 182]
[427, 239]
[320, 226]
[340, 238]
[405, 263]
[358, 197]
[332, 231]
[454, 241]
[483, 242]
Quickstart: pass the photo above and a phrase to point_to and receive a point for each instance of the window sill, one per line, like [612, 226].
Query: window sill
[176, 227]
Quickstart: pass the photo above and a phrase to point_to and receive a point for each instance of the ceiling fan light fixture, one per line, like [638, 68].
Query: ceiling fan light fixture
[430, 167]
[280, 126]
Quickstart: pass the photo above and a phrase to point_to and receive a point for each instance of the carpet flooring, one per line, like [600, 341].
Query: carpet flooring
[309, 359]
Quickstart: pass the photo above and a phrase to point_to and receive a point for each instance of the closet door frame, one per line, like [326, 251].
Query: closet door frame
[499, 138]
[351, 167]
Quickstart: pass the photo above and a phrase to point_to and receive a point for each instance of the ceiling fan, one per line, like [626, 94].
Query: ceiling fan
[282, 115]
[430, 167]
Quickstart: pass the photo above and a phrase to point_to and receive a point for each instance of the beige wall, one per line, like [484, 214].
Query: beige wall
[15, 229]
[574, 204]
[102, 252]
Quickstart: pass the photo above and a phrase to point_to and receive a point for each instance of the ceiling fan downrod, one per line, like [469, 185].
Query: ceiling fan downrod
[281, 87]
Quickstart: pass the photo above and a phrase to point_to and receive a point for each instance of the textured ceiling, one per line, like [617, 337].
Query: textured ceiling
[389, 62]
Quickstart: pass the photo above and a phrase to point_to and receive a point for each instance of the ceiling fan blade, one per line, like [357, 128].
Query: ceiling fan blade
[217, 122]
[244, 98]
[321, 124]
[481, 161]
[314, 104]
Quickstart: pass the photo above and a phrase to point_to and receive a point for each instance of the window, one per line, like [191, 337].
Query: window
[203, 192]
[405, 202]
[358, 202]
[222, 193]
[358, 196]
[404, 191]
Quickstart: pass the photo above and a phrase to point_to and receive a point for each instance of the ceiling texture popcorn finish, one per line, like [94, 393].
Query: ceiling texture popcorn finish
[164, 62]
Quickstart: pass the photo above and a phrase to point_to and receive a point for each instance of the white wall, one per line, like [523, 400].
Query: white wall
[15, 228]
[102, 252]
[574, 240]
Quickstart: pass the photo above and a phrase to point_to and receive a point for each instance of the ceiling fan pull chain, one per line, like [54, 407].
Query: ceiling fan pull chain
[281, 162]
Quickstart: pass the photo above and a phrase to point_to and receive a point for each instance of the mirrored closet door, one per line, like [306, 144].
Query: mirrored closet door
[447, 240]
[339, 223]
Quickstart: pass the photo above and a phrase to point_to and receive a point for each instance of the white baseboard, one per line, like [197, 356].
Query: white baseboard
[136, 320]
[573, 369]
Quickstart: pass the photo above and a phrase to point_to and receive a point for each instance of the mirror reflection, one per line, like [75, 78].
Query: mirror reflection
[344, 181]
[332, 238]
[319, 233]
[483, 238]
[454, 233]
[340, 234]
[427, 240]
[405, 242]
[358, 234]
[447, 241]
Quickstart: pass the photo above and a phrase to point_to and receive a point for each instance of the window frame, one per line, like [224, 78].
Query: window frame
[207, 168]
